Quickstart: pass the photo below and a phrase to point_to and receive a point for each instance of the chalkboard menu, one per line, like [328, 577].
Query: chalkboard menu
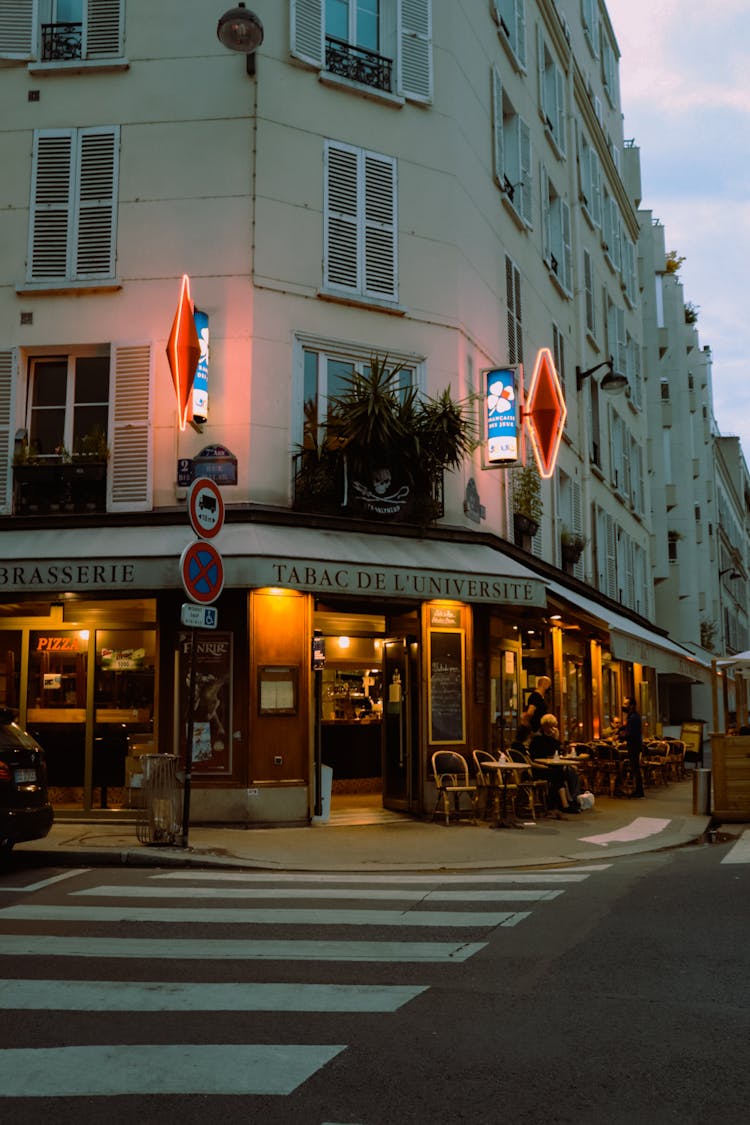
[447, 686]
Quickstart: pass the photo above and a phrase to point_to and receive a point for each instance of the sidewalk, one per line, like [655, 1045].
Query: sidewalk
[614, 827]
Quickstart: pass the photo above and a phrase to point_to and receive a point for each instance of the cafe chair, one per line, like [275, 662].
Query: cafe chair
[676, 759]
[655, 763]
[532, 791]
[485, 780]
[606, 767]
[451, 773]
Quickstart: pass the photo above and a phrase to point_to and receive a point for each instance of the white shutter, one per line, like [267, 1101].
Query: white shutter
[498, 155]
[306, 30]
[567, 254]
[560, 130]
[611, 573]
[520, 33]
[7, 434]
[51, 204]
[524, 143]
[576, 524]
[340, 253]
[16, 29]
[546, 223]
[415, 54]
[103, 29]
[380, 244]
[129, 482]
[97, 197]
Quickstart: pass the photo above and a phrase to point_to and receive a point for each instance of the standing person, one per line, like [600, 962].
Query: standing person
[537, 704]
[632, 735]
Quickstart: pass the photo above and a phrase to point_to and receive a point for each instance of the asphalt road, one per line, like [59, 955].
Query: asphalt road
[607, 993]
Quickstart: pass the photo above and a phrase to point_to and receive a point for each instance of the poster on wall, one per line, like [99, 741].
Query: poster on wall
[212, 720]
[447, 723]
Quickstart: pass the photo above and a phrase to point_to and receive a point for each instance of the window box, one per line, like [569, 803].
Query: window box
[49, 487]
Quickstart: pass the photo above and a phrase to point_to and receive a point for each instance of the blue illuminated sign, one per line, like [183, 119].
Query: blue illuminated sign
[200, 382]
[501, 413]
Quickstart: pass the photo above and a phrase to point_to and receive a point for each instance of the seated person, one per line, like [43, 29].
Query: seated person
[563, 779]
[521, 738]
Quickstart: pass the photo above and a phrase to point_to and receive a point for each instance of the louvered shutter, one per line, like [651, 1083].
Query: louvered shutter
[524, 142]
[7, 435]
[341, 226]
[520, 32]
[95, 229]
[129, 483]
[380, 243]
[567, 255]
[560, 137]
[611, 572]
[16, 29]
[306, 30]
[103, 29]
[415, 55]
[51, 204]
[576, 523]
[498, 156]
[546, 217]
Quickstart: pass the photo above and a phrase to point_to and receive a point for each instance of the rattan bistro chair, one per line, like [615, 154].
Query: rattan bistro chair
[486, 781]
[451, 773]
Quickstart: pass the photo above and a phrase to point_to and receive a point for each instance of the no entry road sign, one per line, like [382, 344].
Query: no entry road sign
[202, 572]
[206, 508]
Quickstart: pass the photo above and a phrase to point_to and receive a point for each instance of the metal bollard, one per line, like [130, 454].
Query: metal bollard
[701, 792]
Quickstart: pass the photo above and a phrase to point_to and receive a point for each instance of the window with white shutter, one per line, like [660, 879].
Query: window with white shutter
[551, 95]
[557, 251]
[360, 238]
[511, 151]
[129, 483]
[73, 204]
[510, 18]
[7, 423]
[513, 297]
[382, 44]
[62, 31]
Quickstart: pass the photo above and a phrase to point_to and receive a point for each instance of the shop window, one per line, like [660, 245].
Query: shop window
[10, 669]
[57, 674]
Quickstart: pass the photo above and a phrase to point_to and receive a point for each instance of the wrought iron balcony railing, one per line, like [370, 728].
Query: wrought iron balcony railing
[358, 64]
[61, 41]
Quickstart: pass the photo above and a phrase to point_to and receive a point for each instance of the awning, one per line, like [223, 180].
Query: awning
[255, 555]
[635, 643]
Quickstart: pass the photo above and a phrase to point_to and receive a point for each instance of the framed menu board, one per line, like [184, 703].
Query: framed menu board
[692, 735]
[447, 708]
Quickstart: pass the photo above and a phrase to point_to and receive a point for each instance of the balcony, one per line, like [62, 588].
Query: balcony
[358, 65]
[324, 485]
[61, 41]
[50, 487]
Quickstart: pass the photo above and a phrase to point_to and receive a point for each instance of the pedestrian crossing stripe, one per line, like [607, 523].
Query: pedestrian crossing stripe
[376, 894]
[430, 952]
[180, 1068]
[549, 875]
[171, 996]
[739, 852]
[411, 918]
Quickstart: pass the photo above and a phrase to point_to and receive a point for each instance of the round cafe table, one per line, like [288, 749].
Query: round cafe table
[502, 770]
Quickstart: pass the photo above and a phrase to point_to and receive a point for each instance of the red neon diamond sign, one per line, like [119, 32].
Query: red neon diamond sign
[545, 412]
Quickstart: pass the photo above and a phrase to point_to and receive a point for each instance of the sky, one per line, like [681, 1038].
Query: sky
[685, 91]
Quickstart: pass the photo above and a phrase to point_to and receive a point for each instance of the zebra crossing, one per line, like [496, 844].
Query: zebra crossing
[306, 907]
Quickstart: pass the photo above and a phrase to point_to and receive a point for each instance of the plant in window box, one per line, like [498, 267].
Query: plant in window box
[527, 501]
[571, 546]
[91, 448]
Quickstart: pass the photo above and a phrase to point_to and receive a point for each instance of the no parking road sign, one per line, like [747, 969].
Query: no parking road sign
[202, 572]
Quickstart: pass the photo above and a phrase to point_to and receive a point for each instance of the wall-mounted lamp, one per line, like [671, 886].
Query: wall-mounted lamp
[735, 573]
[613, 381]
[240, 30]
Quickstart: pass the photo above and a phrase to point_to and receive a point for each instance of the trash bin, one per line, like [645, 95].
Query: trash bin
[160, 817]
[701, 792]
[326, 784]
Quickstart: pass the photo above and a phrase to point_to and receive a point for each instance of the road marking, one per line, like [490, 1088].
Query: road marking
[638, 829]
[234, 1068]
[551, 874]
[430, 952]
[167, 996]
[252, 917]
[47, 882]
[318, 892]
[739, 852]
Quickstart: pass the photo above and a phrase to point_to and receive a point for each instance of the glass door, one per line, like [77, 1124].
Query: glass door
[56, 714]
[400, 716]
[506, 688]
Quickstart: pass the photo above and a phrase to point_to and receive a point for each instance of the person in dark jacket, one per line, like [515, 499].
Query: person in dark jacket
[537, 703]
[632, 735]
[563, 780]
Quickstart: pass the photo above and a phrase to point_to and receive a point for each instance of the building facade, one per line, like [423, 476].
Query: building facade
[439, 191]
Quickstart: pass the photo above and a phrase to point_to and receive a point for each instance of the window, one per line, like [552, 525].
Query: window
[511, 21]
[609, 69]
[590, 21]
[558, 353]
[512, 151]
[551, 95]
[513, 295]
[322, 371]
[73, 204]
[673, 538]
[360, 252]
[59, 31]
[383, 44]
[68, 404]
[588, 285]
[556, 234]
[590, 182]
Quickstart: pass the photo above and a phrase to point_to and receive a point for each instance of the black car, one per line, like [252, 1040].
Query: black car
[25, 810]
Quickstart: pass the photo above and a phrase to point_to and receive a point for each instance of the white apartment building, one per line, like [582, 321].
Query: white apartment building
[443, 185]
